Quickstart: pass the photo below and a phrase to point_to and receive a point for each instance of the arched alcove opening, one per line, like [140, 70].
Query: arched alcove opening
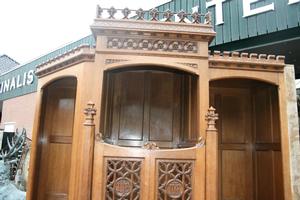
[55, 139]
[250, 160]
[149, 104]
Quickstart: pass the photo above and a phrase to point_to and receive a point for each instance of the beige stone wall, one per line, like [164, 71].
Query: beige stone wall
[293, 128]
[20, 110]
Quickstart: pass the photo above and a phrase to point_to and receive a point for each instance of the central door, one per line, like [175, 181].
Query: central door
[150, 106]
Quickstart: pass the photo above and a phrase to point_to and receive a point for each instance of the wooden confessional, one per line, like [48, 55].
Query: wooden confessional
[135, 117]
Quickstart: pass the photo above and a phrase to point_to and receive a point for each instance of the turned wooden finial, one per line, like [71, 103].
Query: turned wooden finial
[89, 112]
[211, 118]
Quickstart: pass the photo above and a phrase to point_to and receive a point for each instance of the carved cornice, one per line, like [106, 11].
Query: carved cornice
[83, 53]
[179, 46]
[246, 61]
[111, 61]
[192, 65]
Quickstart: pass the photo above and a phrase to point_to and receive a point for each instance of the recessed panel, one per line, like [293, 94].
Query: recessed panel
[234, 175]
[161, 106]
[131, 106]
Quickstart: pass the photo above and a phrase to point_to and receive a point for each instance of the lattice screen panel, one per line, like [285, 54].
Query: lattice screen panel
[174, 179]
[123, 179]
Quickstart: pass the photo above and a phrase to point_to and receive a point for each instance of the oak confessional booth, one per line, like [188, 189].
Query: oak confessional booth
[135, 117]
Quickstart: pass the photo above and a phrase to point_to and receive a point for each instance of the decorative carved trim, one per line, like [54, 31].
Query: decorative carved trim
[175, 179]
[211, 117]
[152, 45]
[200, 143]
[246, 61]
[111, 61]
[154, 13]
[123, 178]
[207, 18]
[193, 65]
[89, 112]
[150, 146]
[99, 137]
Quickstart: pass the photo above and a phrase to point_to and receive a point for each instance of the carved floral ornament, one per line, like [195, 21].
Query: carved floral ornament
[152, 45]
[150, 146]
[168, 15]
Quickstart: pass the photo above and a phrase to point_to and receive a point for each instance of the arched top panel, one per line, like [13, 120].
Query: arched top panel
[191, 68]
[58, 79]
[245, 78]
[270, 78]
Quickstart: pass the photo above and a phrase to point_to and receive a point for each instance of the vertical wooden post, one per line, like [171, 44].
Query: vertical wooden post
[211, 155]
[88, 152]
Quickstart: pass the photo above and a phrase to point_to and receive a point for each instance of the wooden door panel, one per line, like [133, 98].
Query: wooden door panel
[263, 133]
[278, 172]
[234, 173]
[264, 174]
[235, 118]
[235, 158]
[249, 140]
[275, 115]
[58, 167]
[56, 139]
[62, 123]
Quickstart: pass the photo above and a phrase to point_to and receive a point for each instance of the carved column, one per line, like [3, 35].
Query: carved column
[211, 155]
[88, 152]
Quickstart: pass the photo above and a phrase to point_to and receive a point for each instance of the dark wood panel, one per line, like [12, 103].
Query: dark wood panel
[62, 122]
[278, 173]
[190, 114]
[233, 147]
[234, 118]
[264, 175]
[150, 105]
[132, 103]
[161, 106]
[268, 146]
[275, 115]
[263, 116]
